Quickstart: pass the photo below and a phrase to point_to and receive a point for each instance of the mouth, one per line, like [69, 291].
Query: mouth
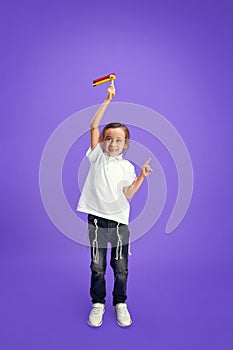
[112, 150]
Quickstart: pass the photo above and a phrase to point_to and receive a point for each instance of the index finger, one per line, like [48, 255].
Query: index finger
[148, 161]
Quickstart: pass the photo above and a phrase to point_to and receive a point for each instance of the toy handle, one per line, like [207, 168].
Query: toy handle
[112, 83]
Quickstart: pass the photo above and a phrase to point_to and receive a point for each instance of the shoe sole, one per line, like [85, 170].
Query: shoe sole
[124, 325]
[94, 325]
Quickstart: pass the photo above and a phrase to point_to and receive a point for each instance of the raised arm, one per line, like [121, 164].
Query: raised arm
[94, 125]
[130, 191]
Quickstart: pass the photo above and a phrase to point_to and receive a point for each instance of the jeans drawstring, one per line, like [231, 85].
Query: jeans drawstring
[119, 244]
[129, 246]
[95, 247]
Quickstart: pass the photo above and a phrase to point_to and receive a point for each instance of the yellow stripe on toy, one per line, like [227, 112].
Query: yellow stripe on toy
[110, 77]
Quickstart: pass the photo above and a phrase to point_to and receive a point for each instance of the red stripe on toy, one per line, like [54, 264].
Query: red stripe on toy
[102, 78]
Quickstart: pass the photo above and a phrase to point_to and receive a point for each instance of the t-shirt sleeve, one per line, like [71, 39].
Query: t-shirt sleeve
[130, 174]
[92, 154]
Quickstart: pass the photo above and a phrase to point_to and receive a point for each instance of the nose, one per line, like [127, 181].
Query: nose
[113, 143]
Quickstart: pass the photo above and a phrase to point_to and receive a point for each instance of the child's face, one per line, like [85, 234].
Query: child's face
[114, 141]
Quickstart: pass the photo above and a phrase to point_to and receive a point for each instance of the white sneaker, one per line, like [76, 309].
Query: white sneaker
[96, 315]
[123, 316]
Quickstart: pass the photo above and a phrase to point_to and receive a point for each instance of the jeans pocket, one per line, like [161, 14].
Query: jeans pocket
[91, 231]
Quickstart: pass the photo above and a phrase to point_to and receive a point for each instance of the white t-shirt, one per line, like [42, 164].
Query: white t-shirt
[102, 193]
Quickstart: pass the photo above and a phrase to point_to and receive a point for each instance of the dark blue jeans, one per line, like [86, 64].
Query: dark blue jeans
[102, 231]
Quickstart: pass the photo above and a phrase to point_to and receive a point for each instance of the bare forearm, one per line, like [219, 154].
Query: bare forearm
[134, 187]
[99, 114]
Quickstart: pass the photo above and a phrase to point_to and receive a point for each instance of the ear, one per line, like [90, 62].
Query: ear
[125, 146]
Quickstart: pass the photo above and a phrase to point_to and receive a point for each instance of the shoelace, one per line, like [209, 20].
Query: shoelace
[122, 310]
[96, 310]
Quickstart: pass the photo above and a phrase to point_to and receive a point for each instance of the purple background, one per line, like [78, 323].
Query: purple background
[174, 57]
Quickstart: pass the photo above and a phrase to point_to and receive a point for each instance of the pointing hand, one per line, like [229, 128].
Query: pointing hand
[146, 169]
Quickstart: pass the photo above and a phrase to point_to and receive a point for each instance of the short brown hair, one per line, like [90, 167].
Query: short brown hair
[116, 125]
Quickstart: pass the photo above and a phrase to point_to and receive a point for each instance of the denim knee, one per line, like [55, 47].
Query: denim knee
[120, 266]
[98, 266]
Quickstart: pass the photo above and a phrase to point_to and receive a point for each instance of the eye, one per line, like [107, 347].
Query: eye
[119, 141]
[108, 138]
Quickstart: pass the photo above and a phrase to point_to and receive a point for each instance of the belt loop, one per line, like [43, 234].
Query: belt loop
[119, 244]
[95, 247]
